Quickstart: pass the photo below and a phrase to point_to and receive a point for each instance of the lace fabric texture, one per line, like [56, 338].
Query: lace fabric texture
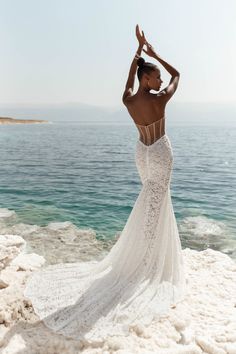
[137, 281]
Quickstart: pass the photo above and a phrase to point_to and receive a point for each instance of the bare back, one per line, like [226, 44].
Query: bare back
[148, 113]
[146, 109]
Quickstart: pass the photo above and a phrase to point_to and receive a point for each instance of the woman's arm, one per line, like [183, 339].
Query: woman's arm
[131, 78]
[171, 70]
[168, 91]
[129, 87]
[151, 52]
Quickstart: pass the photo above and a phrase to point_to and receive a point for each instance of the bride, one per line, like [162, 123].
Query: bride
[143, 275]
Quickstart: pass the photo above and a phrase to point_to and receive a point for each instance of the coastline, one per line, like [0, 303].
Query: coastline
[9, 121]
[204, 322]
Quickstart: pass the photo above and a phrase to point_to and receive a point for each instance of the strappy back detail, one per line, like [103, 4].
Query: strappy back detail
[150, 133]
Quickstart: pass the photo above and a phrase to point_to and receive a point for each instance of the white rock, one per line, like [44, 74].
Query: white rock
[16, 345]
[3, 332]
[12, 240]
[10, 247]
[3, 284]
[56, 226]
[204, 321]
[5, 213]
[187, 336]
[30, 261]
[7, 254]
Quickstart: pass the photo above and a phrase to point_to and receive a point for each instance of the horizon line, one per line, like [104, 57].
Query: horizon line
[100, 106]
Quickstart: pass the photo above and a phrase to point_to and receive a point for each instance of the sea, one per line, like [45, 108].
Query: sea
[68, 187]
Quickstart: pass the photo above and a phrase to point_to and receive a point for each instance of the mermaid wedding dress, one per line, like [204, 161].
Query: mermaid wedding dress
[138, 280]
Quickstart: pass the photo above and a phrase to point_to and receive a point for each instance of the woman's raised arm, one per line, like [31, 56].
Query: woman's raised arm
[129, 87]
[169, 90]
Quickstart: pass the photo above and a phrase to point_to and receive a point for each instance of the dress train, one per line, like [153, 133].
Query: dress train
[137, 281]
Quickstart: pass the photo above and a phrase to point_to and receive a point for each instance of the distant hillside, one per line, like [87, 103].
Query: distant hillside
[7, 120]
[177, 113]
[75, 112]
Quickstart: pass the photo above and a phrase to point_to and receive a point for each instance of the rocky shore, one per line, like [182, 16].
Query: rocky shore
[205, 322]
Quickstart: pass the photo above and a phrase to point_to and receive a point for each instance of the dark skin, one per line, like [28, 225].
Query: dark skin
[143, 106]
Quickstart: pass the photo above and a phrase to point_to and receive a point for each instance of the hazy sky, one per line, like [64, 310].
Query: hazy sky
[55, 51]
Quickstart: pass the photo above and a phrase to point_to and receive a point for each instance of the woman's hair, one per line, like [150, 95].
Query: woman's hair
[144, 67]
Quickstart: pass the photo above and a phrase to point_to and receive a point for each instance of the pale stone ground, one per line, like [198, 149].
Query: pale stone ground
[205, 322]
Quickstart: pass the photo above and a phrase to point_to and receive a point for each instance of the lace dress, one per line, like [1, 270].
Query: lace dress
[138, 280]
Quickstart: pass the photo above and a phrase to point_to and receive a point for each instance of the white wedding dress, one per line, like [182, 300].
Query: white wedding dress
[137, 281]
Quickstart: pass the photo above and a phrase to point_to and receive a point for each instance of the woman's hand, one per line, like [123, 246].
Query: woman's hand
[150, 50]
[141, 37]
[142, 41]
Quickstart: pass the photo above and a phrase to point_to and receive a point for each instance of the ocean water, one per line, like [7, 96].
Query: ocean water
[73, 184]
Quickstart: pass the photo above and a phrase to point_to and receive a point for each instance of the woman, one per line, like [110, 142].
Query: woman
[142, 276]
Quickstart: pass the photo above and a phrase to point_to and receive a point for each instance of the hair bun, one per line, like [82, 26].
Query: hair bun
[140, 62]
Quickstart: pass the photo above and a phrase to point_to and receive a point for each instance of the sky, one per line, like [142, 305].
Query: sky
[62, 51]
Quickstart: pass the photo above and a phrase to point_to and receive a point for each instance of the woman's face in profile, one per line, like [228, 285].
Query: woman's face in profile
[155, 81]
